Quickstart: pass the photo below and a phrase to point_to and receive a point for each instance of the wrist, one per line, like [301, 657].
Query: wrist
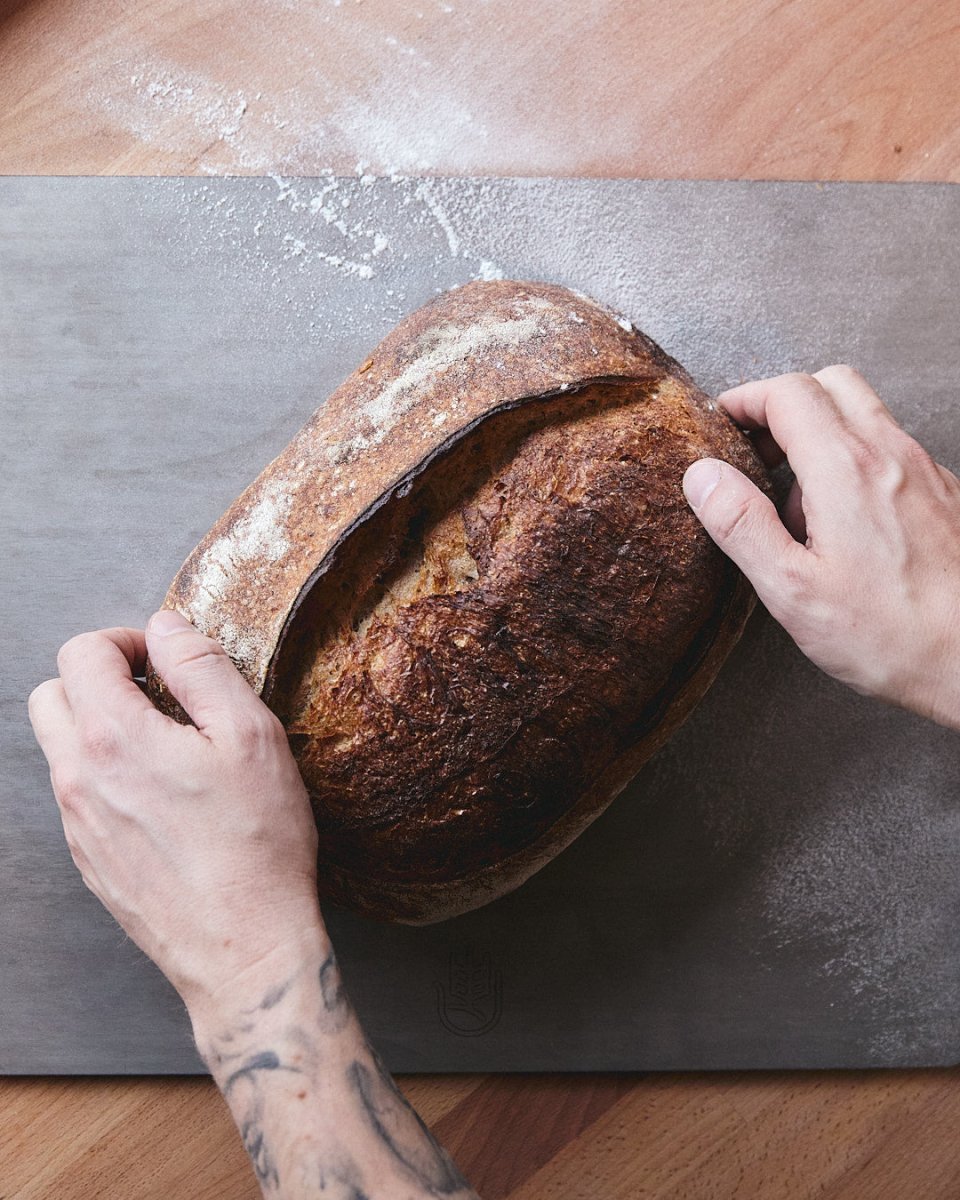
[935, 691]
[944, 707]
[257, 986]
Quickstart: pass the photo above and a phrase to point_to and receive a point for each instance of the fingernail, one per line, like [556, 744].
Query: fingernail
[167, 620]
[700, 479]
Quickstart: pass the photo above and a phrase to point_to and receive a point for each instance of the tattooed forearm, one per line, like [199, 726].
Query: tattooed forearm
[266, 1061]
[343, 1182]
[331, 984]
[401, 1130]
[317, 1110]
[336, 1006]
[249, 1112]
[255, 1145]
[275, 995]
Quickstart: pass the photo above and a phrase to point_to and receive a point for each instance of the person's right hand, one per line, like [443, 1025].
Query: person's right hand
[862, 567]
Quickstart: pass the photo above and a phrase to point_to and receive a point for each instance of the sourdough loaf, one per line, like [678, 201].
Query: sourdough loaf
[473, 592]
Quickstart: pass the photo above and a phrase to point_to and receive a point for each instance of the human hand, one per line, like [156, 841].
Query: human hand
[200, 841]
[202, 844]
[862, 567]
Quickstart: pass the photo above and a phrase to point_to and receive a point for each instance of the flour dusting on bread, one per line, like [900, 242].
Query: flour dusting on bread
[241, 552]
[440, 349]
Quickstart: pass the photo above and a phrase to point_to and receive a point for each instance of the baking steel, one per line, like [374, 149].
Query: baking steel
[780, 886]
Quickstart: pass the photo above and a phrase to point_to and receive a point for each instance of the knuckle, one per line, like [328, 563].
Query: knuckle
[795, 390]
[802, 383]
[274, 726]
[78, 646]
[798, 599]
[69, 650]
[843, 372]
[257, 731]
[867, 458]
[39, 694]
[794, 589]
[915, 454]
[100, 743]
[68, 790]
[893, 476]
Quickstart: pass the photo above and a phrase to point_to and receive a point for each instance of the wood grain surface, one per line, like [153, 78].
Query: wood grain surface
[758, 89]
[793, 89]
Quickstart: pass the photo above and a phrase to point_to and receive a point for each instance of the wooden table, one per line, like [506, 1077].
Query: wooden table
[813, 89]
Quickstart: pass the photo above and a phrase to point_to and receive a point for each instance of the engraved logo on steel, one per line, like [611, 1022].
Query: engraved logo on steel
[470, 1002]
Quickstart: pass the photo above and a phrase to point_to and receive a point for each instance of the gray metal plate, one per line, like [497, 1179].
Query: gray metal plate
[780, 886]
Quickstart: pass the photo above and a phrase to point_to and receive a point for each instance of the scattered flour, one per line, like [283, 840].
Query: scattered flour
[423, 91]
[159, 103]
[355, 227]
[386, 114]
[425, 193]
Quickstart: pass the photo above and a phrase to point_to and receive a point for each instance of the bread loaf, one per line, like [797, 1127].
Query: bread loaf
[473, 592]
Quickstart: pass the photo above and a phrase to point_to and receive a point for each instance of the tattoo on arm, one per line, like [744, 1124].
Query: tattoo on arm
[251, 1122]
[270, 1000]
[275, 995]
[266, 1061]
[331, 984]
[300, 1035]
[343, 1182]
[400, 1128]
[253, 1142]
[336, 1005]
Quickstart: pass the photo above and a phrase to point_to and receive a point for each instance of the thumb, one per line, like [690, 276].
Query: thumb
[197, 671]
[745, 525]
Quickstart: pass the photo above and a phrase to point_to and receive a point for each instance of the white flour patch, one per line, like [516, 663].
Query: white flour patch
[438, 89]
[400, 108]
[162, 105]
[489, 270]
[448, 346]
[256, 539]
[396, 126]
[260, 533]
[444, 348]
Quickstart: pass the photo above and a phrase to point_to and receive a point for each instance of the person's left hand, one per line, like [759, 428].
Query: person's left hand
[200, 841]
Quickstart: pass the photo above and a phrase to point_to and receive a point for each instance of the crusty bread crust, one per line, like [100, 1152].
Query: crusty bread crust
[472, 590]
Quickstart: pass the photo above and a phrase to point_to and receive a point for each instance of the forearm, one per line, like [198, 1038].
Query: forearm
[318, 1113]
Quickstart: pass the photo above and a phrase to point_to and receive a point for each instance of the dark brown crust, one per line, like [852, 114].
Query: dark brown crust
[551, 438]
